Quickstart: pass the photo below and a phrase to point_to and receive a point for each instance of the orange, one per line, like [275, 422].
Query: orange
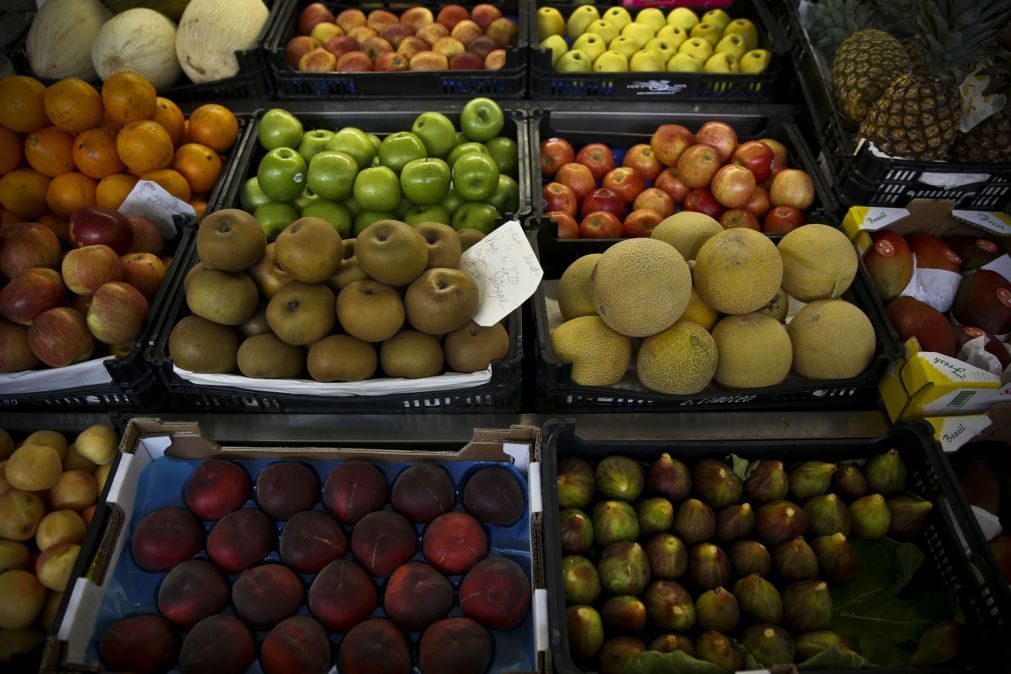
[172, 181]
[95, 153]
[112, 190]
[60, 226]
[200, 206]
[144, 146]
[50, 151]
[23, 192]
[128, 97]
[70, 191]
[199, 164]
[21, 105]
[11, 150]
[171, 118]
[74, 105]
[215, 126]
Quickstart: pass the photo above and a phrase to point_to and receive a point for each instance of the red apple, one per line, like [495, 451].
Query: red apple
[755, 156]
[147, 238]
[467, 60]
[379, 18]
[25, 245]
[450, 15]
[342, 44]
[429, 60]
[448, 47]
[733, 186]
[375, 46]
[933, 253]
[604, 199]
[670, 182]
[503, 31]
[362, 33]
[781, 156]
[783, 219]
[392, 62]
[759, 203]
[600, 225]
[697, 165]
[354, 61]
[314, 13]
[59, 337]
[559, 197]
[416, 17]
[145, 272]
[317, 61]
[350, 19]
[396, 33]
[792, 187]
[568, 228]
[298, 47]
[411, 46]
[495, 60]
[555, 152]
[482, 46]
[466, 31]
[642, 158]
[117, 313]
[15, 354]
[432, 32]
[669, 141]
[30, 293]
[640, 222]
[81, 303]
[655, 199]
[626, 182]
[485, 14]
[94, 224]
[737, 217]
[598, 158]
[578, 177]
[703, 201]
[719, 136]
[87, 269]
[323, 32]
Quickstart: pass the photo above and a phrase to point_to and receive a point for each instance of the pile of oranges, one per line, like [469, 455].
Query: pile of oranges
[69, 145]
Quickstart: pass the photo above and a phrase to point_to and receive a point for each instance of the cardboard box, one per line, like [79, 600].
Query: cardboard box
[148, 440]
[953, 433]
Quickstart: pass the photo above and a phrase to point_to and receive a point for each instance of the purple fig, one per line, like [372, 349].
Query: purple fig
[886, 473]
[694, 522]
[849, 483]
[837, 559]
[827, 514]
[871, 517]
[577, 531]
[616, 653]
[807, 605]
[614, 521]
[795, 560]
[718, 649]
[811, 644]
[767, 482]
[575, 483]
[759, 599]
[939, 645]
[734, 522]
[717, 610]
[708, 566]
[655, 515]
[619, 477]
[668, 643]
[624, 613]
[716, 483]
[779, 521]
[669, 478]
[580, 580]
[667, 556]
[811, 478]
[623, 568]
[909, 516]
[748, 557]
[669, 605]
[769, 644]
[586, 632]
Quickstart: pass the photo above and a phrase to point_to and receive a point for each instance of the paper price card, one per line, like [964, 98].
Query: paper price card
[506, 271]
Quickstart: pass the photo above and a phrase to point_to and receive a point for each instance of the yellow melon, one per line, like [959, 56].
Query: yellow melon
[599, 355]
[687, 231]
[575, 295]
[680, 360]
[738, 271]
[819, 262]
[832, 339]
[754, 350]
[778, 307]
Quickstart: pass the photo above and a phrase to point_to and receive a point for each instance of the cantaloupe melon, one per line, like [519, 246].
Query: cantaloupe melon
[599, 355]
[819, 262]
[641, 286]
[687, 231]
[832, 339]
[681, 360]
[575, 294]
[738, 271]
[778, 307]
[754, 351]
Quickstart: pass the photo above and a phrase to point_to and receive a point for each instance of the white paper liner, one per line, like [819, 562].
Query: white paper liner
[988, 522]
[1001, 265]
[80, 375]
[936, 287]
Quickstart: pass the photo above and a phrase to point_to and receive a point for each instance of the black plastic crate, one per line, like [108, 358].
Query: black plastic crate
[508, 82]
[252, 82]
[954, 553]
[766, 87]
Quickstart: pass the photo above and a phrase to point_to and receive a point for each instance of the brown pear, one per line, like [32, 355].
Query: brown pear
[412, 355]
[391, 252]
[473, 347]
[194, 270]
[268, 274]
[301, 313]
[349, 248]
[230, 240]
[441, 301]
[443, 244]
[267, 357]
[257, 325]
[310, 250]
[468, 237]
[370, 310]
[341, 358]
[224, 297]
[198, 345]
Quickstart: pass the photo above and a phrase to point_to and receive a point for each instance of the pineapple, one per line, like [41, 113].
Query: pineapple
[865, 64]
[836, 20]
[989, 142]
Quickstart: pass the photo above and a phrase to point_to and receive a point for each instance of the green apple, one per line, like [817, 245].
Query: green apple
[279, 128]
[640, 32]
[611, 62]
[731, 44]
[426, 181]
[605, 30]
[475, 176]
[674, 35]
[709, 32]
[697, 47]
[305, 199]
[580, 18]
[755, 61]
[717, 17]
[481, 119]
[591, 45]
[314, 142]
[549, 22]
[399, 148]
[338, 216]
[281, 174]
[625, 46]
[647, 61]
[274, 216]
[662, 46]
[745, 29]
[352, 206]
[356, 143]
[436, 131]
[652, 17]
[375, 140]
[617, 17]
[477, 216]
[366, 218]
[451, 201]
[403, 207]
[574, 61]
[722, 63]
[558, 47]
[251, 196]
[460, 138]
[420, 214]
[684, 63]
[377, 189]
[683, 18]
[466, 148]
[505, 153]
[332, 175]
[506, 198]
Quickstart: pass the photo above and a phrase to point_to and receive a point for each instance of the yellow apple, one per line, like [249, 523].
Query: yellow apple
[661, 45]
[709, 32]
[625, 45]
[580, 18]
[732, 44]
[574, 61]
[745, 29]
[617, 17]
[652, 17]
[604, 29]
[647, 61]
[755, 61]
[684, 63]
[697, 47]
[550, 22]
[718, 17]
[722, 63]
[683, 18]
[557, 45]
[591, 45]
[673, 34]
[611, 62]
[639, 32]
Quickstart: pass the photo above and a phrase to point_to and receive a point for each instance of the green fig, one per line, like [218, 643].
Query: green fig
[614, 521]
[667, 556]
[575, 483]
[668, 643]
[939, 645]
[748, 557]
[807, 605]
[669, 605]
[716, 483]
[717, 610]
[718, 649]
[759, 599]
[886, 473]
[624, 613]
[811, 478]
[871, 517]
[708, 566]
[669, 478]
[849, 482]
[827, 514]
[811, 644]
[616, 653]
[909, 516]
[694, 522]
[655, 515]
[577, 531]
[580, 580]
[769, 644]
[779, 521]
[795, 560]
[619, 477]
[623, 568]
[836, 558]
[734, 522]
[586, 632]
[767, 482]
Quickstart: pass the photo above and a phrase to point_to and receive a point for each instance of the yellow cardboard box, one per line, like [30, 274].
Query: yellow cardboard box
[952, 433]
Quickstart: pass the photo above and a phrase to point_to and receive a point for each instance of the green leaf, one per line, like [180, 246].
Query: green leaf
[836, 658]
[655, 662]
[742, 467]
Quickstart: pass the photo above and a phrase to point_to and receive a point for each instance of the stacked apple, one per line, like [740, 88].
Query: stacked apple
[351, 179]
[456, 39]
[745, 184]
[55, 304]
[677, 42]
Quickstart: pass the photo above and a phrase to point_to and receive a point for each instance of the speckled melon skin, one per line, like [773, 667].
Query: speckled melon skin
[738, 271]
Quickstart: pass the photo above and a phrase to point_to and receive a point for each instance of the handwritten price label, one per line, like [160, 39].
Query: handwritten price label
[506, 271]
[150, 200]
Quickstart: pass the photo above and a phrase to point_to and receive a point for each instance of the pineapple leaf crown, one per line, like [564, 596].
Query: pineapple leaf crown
[835, 20]
[957, 33]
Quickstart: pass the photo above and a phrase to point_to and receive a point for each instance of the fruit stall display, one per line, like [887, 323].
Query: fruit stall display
[755, 553]
[423, 50]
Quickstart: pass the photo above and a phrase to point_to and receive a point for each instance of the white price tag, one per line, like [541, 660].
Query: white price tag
[150, 200]
[506, 271]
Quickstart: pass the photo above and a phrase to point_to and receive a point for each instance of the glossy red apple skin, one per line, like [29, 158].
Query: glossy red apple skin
[559, 197]
[737, 217]
[577, 177]
[755, 156]
[466, 61]
[670, 182]
[354, 62]
[669, 141]
[25, 245]
[933, 253]
[626, 182]
[314, 13]
[733, 186]
[30, 293]
[702, 201]
[15, 354]
[597, 157]
[297, 47]
[450, 15]
[792, 187]
[92, 225]
[759, 203]
[643, 159]
[568, 228]
[604, 199]
[781, 156]
[147, 238]
[485, 14]
[783, 219]
[720, 136]
[145, 272]
[87, 269]
[116, 314]
[60, 337]
[600, 225]
[697, 165]
[555, 153]
[654, 199]
[640, 222]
